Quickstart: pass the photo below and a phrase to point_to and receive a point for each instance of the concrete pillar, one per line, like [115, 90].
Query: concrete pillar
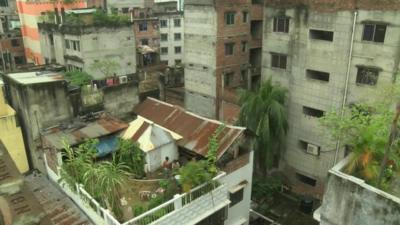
[3, 106]
[177, 201]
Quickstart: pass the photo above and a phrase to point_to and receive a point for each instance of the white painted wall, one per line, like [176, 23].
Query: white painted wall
[155, 158]
[171, 43]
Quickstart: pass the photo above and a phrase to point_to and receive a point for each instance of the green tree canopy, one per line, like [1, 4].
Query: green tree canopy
[264, 113]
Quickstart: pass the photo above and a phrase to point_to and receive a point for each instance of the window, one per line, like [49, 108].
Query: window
[312, 112]
[229, 47]
[236, 196]
[317, 75]
[374, 32]
[305, 179]
[177, 36]
[245, 15]
[15, 42]
[164, 50]
[164, 37]
[19, 60]
[4, 3]
[125, 10]
[114, 10]
[228, 79]
[178, 50]
[244, 46]
[75, 45]
[278, 60]
[178, 61]
[67, 44]
[321, 35]
[367, 75]
[243, 75]
[51, 39]
[143, 26]
[230, 18]
[281, 24]
[177, 22]
[163, 23]
[144, 41]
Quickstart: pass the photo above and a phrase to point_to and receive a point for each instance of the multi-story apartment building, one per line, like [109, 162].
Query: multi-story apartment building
[171, 37]
[222, 53]
[78, 46]
[328, 54]
[30, 13]
[11, 45]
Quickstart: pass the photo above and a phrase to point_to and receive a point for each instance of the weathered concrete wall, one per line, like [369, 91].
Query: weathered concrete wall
[39, 106]
[119, 100]
[200, 58]
[332, 57]
[348, 200]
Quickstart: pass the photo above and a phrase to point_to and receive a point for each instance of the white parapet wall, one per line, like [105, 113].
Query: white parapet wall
[349, 200]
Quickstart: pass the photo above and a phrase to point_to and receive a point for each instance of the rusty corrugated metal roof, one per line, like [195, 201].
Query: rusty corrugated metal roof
[195, 130]
[104, 126]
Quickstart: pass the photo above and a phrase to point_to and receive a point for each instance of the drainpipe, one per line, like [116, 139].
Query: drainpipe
[347, 82]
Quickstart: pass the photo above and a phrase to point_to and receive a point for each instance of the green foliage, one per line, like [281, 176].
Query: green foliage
[264, 188]
[264, 113]
[102, 180]
[131, 155]
[154, 202]
[101, 18]
[213, 150]
[194, 173]
[365, 129]
[78, 78]
[164, 184]
[73, 19]
[138, 210]
[106, 67]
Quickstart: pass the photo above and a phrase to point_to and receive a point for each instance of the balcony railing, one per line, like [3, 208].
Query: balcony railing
[101, 216]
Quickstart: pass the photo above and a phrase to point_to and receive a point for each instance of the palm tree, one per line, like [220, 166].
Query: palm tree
[264, 113]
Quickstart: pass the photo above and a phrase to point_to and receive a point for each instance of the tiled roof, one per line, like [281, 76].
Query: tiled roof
[195, 130]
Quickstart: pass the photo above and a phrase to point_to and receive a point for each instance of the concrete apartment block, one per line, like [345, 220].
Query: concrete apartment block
[95, 43]
[222, 44]
[171, 37]
[312, 51]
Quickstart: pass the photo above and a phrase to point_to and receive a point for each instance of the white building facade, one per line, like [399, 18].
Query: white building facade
[171, 37]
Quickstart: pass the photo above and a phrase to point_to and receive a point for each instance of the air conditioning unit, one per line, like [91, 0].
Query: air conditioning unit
[312, 149]
[123, 79]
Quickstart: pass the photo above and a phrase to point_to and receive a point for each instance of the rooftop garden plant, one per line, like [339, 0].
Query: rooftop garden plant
[370, 130]
[78, 78]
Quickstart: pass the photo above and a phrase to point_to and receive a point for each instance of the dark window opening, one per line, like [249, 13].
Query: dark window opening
[229, 47]
[177, 22]
[4, 3]
[281, 24]
[374, 32]
[51, 39]
[164, 50]
[164, 37]
[321, 35]
[230, 18]
[143, 26]
[317, 75]
[236, 197]
[163, 23]
[125, 10]
[312, 112]
[228, 79]
[177, 36]
[178, 50]
[144, 41]
[278, 60]
[307, 180]
[19, 60]
[367, 76]
[303, 145]
[15, 43]
[67, 46]
[244, 46]
[245, 16]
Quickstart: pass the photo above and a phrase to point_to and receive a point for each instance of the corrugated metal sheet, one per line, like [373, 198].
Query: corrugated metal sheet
[195, 130]
[106, 125]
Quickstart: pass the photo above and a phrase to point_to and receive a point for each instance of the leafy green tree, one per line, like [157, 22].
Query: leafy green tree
[193, 174]
[106, 67]
[264, 113]
[78, 78]
[212, 153]
[131, 155]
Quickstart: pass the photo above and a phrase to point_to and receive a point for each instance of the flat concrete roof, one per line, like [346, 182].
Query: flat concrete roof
[36, 77]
